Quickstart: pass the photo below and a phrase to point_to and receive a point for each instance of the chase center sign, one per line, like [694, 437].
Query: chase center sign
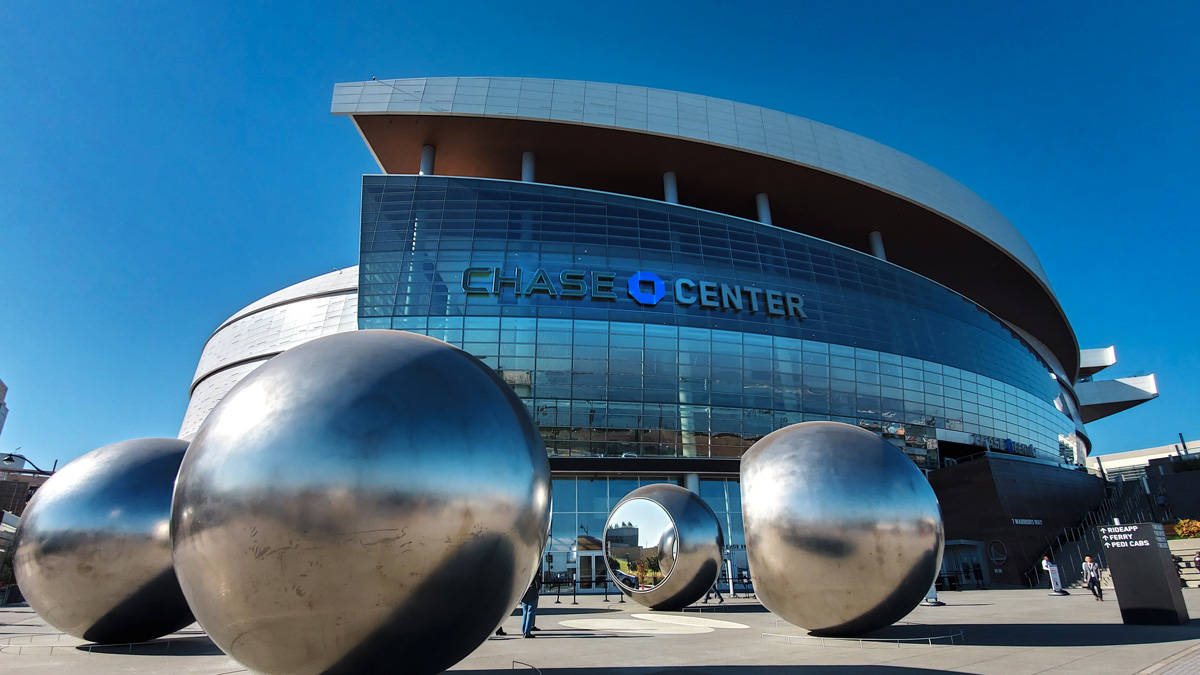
[645, 288]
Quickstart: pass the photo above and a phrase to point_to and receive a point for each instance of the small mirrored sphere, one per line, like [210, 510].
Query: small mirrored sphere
[663, 546]
[365, 502]
[843, 533]
[93, 550]
[641, 544]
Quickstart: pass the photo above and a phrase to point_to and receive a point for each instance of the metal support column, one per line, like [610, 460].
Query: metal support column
[527, 160]
[876, 240]
[764, 208]
[670, 188]
[427, 152]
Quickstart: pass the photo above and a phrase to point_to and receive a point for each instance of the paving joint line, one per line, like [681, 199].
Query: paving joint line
[1176, 659]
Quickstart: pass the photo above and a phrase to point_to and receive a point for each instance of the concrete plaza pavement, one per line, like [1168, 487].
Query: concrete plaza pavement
[1006, 632]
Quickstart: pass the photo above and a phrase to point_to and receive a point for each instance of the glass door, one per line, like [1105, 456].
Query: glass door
[585, 570]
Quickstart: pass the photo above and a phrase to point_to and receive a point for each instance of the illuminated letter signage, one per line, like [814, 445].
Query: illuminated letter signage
[644, 287]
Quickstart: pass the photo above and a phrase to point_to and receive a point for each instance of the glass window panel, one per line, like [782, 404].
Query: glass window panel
[593, 494]
[563, 493]
[618, 488]
[733, 491]
[712, 491]
[563, 530]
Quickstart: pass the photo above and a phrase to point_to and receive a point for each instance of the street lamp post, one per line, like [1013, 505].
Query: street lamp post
[11, 458]
[8, 463]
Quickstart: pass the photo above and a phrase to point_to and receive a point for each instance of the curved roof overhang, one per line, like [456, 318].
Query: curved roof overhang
[909, 203]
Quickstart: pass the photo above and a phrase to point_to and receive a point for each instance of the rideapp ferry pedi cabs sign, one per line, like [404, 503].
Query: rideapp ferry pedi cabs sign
[1143, 573]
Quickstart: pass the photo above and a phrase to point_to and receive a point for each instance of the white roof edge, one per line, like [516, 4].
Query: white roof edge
[1142, 456]
[339, 280]
[698, 118]
[1097, 359]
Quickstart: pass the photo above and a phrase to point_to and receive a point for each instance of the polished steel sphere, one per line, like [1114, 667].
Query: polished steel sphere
[93, 550]
[663, 546]
[843, 533]
[365, 502]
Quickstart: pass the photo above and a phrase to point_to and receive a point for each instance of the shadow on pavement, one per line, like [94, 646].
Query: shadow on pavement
[1072, 635]
[542, 634]
[729, 670]
[551, 611]
[728, 608]
[964, 604]
[199, 645]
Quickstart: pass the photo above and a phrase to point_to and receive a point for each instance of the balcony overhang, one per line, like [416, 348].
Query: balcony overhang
[1101, 398]
[1092, 361]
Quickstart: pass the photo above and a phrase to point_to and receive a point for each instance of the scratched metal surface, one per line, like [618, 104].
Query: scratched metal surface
[366, 499]
[843, 533]
[93, 552]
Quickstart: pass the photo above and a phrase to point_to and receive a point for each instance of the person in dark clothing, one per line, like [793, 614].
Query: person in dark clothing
[713, 589]
[1091, 574]
[529, 603]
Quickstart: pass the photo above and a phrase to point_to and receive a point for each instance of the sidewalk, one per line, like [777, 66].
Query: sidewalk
[1006, 632]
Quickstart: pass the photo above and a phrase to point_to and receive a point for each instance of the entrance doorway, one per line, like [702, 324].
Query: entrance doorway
[963, 561]
[592, 571]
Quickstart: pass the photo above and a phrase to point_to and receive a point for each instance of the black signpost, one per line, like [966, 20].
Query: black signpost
[1143, 574]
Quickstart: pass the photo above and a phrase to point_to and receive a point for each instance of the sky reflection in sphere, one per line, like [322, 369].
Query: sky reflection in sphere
[641, 544]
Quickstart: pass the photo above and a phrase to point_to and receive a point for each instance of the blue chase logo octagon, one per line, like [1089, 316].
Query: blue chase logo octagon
[639, 282]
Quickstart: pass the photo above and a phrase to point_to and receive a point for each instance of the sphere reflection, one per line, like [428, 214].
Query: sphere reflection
[843, 533]
[367, 499]
[93, 552]
[641, 544]
[663, 546]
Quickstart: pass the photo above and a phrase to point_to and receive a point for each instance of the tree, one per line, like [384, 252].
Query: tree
[1187, 529]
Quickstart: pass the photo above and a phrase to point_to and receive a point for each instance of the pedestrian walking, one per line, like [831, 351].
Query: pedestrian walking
[714, 589]
[529, 603]
[1091, 574]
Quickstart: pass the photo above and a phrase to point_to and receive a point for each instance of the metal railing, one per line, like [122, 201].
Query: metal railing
[560, 587]
[1071, 544]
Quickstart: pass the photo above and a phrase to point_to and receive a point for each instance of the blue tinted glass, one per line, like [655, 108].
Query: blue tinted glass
[603, 373]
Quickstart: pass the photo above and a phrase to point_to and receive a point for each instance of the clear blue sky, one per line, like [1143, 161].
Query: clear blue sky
[164, 164]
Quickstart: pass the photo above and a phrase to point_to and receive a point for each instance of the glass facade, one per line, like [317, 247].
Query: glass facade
[582, 505]
[632, 327]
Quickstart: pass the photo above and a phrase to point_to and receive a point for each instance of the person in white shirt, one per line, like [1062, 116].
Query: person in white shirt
[1052, 572]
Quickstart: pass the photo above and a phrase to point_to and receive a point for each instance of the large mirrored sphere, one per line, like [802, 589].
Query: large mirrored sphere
[843, 533]
[365, 502]
[663, 546]
[93, 550]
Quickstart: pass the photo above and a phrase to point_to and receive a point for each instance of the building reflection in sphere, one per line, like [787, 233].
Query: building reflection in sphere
[663, 546]
[93, 550]
[641, 544]
[843, 532]
[363, 500]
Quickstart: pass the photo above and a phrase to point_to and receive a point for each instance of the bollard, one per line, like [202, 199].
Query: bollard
[606, 590]
[574, 592]
[557, 592]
